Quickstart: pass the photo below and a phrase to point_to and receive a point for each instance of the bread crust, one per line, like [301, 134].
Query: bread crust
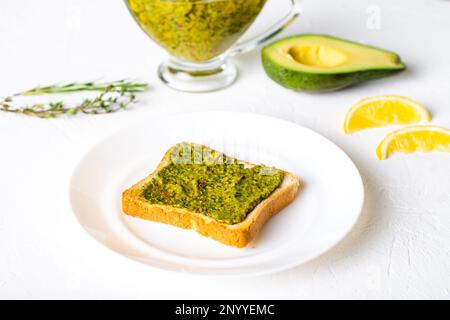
[237, 235]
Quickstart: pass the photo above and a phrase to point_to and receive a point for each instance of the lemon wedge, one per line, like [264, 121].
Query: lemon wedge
[382, 111]
[423, 138]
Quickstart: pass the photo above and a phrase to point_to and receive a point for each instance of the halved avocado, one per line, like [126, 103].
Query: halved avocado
[323, 63]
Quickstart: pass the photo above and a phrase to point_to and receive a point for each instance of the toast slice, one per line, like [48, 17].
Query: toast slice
[237, 235]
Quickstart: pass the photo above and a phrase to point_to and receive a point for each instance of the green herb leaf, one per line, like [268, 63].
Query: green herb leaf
[113, 96]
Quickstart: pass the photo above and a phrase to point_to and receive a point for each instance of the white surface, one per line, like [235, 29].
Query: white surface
[400, 246]
[325, 210]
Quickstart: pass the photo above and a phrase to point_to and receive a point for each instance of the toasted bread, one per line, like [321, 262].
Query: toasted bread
[237, 235]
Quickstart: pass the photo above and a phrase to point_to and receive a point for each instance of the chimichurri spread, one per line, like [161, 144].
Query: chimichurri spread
[207, 182]
[195, 30]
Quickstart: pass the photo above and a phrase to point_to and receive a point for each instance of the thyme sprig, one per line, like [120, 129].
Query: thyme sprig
[113, 96]
[116, 86]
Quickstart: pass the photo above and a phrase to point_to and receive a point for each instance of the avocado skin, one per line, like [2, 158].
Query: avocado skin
[321, 82]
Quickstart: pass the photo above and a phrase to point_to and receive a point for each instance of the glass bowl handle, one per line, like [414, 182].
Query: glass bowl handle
[257, 41]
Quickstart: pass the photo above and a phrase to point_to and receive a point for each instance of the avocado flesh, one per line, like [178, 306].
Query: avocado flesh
[325, 63]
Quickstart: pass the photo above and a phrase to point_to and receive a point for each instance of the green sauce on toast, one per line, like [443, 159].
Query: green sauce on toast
[202, 180]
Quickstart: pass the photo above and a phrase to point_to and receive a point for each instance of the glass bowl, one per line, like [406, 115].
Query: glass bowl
[200, 36]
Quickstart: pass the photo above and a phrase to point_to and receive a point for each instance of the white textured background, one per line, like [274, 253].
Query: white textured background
[400, 248]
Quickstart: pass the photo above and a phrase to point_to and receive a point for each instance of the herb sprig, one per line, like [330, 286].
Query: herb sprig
[113, 96]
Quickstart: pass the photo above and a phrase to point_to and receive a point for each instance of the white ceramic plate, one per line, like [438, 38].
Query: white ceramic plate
[324, 211]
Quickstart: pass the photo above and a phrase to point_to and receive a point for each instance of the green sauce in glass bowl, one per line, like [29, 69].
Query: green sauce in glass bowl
[195, 30]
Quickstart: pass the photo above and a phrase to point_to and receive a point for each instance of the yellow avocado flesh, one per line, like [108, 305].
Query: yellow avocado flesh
[319, 56]
[331, 55]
